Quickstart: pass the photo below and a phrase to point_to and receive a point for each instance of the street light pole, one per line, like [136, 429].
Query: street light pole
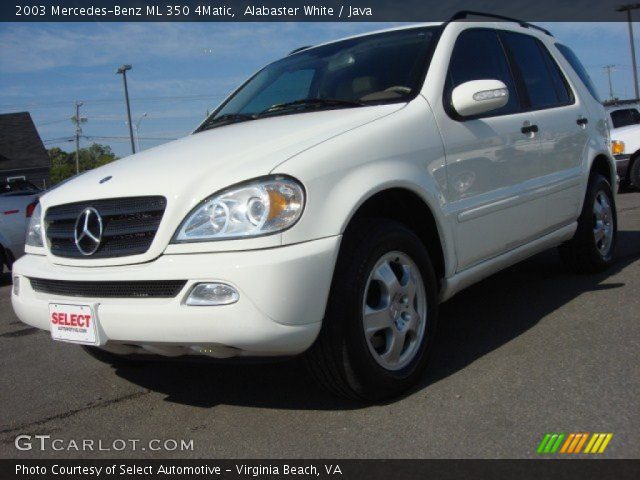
[634, 65]
[123, 70]
[137, 127]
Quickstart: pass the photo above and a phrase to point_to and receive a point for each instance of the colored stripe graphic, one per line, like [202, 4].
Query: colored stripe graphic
[598, 442]
[551, 443]
[543, 443]
[581, 443]
[572, 443]
[567, 443]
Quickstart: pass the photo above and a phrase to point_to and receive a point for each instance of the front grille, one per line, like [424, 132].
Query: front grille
[140, 289]
[129, 226]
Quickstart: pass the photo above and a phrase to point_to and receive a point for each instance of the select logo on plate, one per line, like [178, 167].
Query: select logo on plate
[73, 323]
[572, 443]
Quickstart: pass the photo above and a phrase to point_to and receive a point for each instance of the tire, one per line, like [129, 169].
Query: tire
[634, 172]
[112, 359]
[584, 253]
[365, 368]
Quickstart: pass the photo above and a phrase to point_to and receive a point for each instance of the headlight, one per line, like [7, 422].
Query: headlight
[34, 231]
[259, 207]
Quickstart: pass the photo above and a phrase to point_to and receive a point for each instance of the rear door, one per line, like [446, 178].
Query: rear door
[562, 121]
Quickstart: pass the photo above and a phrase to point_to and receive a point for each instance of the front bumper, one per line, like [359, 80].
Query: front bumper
[283, 295]
[622, 165]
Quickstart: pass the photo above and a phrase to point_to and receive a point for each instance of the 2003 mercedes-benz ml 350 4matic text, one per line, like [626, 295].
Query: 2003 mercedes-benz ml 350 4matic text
[330, 203]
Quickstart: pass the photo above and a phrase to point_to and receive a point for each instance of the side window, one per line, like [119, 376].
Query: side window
[574, 61]
[478, 55]
[563, 91]
[532, 66]
[625, 117]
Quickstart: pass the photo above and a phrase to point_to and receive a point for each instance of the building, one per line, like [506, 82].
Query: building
[22, 154]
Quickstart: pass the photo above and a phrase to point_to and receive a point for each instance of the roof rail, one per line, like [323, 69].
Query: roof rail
[299, 49]
[468, 13]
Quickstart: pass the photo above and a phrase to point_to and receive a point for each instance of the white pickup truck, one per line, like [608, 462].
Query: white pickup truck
[17, 202]
[624, 119]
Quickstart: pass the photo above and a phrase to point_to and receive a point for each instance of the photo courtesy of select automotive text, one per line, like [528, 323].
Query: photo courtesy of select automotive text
[334, 239]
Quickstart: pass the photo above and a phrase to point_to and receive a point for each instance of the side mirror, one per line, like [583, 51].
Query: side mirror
[479, 96]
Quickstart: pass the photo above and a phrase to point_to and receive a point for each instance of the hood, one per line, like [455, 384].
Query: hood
[188, 170]
[626, 133]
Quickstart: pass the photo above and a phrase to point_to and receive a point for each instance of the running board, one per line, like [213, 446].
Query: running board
[465, 278]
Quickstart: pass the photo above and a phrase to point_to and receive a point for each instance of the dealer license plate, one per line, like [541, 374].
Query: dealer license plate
[73, 323]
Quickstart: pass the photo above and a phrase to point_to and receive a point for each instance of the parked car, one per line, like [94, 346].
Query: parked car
[17, 202]
[330, 204]
[624, 118]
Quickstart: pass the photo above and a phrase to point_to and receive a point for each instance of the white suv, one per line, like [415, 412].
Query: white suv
[624, 119]
[329, 204]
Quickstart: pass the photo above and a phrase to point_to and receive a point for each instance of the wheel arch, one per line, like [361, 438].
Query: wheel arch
[413, 212]
[603, 165]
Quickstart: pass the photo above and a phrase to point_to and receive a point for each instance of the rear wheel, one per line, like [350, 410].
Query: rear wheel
[381, 314]
[591, 248]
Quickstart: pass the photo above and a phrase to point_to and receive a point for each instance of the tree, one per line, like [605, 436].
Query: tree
[63, 164]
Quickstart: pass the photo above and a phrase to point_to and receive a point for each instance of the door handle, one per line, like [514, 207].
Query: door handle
[582, 121]
[529, 129]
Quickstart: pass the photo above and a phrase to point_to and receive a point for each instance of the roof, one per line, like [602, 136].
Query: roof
[20, 144]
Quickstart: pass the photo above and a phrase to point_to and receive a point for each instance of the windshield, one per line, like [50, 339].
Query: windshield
[18, 186]
[379, 68]
[625, 117]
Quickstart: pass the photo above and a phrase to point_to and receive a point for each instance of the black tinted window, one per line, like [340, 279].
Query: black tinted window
[531, 64]
[563, 91]
[478, 55]
[625, 117]
[574, 61]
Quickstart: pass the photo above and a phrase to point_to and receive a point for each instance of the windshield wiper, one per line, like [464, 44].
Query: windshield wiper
[225, 119]
[306, 103]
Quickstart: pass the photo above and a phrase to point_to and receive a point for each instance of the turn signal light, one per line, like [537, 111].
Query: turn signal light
[617, 147]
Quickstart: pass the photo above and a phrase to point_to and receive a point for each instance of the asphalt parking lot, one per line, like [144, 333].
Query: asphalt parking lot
[530, 350]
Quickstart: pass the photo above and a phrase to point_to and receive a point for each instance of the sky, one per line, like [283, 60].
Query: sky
[183, 70]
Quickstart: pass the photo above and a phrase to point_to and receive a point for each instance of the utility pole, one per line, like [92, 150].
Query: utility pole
[123, 70]
[77, 120]
[610, 69]
[634, 65]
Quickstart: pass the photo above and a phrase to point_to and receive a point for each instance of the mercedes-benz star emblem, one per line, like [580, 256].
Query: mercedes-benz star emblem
[88, 231]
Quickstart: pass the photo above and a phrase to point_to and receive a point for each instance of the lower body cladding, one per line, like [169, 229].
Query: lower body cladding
[281, 298]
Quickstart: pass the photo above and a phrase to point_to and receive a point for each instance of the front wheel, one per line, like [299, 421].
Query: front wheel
[381, 314]
[591, 248]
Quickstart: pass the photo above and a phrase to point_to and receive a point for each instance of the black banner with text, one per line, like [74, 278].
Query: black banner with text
[296, 10]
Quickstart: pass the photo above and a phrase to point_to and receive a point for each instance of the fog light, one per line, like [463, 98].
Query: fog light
[16, 285]
[212, 294]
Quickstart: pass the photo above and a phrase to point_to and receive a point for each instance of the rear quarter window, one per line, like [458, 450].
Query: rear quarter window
[577, 66]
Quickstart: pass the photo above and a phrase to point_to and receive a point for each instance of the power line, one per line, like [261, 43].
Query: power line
[101, 101]
[105, 137]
